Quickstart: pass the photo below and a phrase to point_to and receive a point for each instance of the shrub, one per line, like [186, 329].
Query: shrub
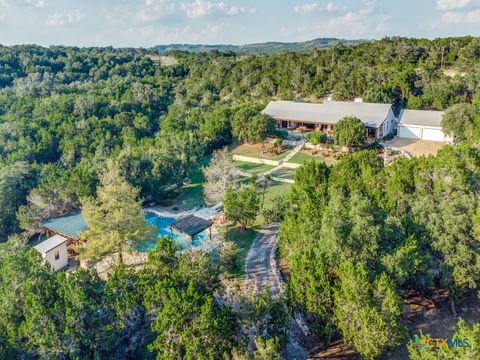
[282, 134]
[316, 137]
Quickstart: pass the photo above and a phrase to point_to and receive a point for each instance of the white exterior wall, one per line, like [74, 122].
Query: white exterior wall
[409, 132]
[389, 124]
[430, 133]
[62, 262]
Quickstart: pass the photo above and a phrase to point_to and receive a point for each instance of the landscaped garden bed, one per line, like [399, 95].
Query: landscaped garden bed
[317, 155]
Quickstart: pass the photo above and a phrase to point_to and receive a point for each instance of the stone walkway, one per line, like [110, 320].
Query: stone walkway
[287, 158]
[291, 154]
[257, 264]
[261, 272]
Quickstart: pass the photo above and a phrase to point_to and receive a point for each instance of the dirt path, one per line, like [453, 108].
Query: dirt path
[260, 275]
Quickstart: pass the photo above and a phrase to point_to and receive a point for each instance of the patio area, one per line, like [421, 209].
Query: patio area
[415, 147]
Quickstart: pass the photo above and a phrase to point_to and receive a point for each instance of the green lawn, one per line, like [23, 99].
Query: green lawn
[191, 195]
[276, 188]
[255, 150]
[252, 168]
[284, 173]
[244, 240]
[306, 155]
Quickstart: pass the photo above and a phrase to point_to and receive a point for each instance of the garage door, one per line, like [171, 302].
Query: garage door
[410, 132]
[433, 134]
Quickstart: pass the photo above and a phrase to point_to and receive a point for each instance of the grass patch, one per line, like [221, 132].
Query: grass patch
[284, 173]
[191, 195]
[252, 168]
[307, 155]
[244, 240]
[276, 188]
[256, 151]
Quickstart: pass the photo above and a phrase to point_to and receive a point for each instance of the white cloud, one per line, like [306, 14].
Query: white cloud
[167, 10]
[26, 3]
[354, 22]
[359, 22]
[3, 17]
[307, 8]
[155, 10]
[210, 31]
[63, 19]
[452, 4]
[202, 8]
[456, 17]
[315, 7]
[331, 7]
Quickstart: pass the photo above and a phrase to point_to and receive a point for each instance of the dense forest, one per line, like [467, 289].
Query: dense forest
[259, 48]
[355, 237]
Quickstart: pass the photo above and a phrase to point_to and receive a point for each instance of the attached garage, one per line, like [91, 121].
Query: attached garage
[409, 132]
[434, 134]
[422, 125]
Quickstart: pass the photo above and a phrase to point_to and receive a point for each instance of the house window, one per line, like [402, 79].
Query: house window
[57, 255]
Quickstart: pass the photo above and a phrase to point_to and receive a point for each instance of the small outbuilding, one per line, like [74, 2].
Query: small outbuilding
[192, 225]
[69, 226]
[422, 125]
[54, 251]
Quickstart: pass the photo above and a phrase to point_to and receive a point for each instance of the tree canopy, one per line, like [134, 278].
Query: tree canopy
[115, 218]
[349, 131]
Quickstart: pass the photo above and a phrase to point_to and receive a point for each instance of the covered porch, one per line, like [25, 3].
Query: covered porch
[304, 126]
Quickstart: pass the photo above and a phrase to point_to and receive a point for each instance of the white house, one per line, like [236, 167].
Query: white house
[379, 119]
[422, 125]
[54, 251]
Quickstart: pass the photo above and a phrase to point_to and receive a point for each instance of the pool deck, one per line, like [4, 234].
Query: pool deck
[208, 213]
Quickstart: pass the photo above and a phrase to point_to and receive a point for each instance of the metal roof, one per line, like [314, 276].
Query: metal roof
[191, 225]
[50, 243]
[422, 118]
[70, 226]
[329, 112]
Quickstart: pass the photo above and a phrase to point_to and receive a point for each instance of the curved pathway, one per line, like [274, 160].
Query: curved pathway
[261, 272]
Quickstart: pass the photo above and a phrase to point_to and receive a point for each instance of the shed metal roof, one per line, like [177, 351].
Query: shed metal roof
[50, 244]
[71, 225]
[191, 225]
[422, 118]
[329, 112]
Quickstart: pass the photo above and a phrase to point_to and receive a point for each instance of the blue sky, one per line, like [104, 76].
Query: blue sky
[150, 22]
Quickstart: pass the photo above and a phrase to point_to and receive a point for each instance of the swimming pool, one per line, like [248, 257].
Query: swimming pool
[162, 223]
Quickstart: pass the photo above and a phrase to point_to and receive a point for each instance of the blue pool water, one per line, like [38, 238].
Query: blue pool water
[182, 241]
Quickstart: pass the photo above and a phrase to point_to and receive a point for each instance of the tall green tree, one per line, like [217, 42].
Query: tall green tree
[349, 131]
[461, 121]
[15, 182]
[115, 218]
[249, 125]
[366, 314]
[241, 206]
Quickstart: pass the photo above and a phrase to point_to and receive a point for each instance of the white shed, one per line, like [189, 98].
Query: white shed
[422, 125]
[54, 251]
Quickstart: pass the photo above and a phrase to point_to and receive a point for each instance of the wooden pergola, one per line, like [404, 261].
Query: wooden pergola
[192, 225]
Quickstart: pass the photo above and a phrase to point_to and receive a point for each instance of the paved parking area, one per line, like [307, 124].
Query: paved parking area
[417, 147]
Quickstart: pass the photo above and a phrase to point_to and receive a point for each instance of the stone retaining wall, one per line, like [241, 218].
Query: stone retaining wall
[291, 165]
[256, 160]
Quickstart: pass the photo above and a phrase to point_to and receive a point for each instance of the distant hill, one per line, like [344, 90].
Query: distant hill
[261, 48]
